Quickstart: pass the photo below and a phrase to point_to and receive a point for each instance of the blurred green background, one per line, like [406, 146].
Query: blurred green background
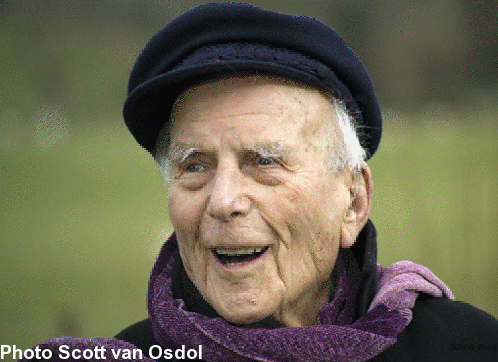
[84, 208]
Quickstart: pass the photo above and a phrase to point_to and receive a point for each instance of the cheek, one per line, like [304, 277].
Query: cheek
[307, 217]
[304, 206]
[185, 211]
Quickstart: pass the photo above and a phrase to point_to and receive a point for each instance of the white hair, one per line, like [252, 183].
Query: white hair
[343, 153]
[347, 152]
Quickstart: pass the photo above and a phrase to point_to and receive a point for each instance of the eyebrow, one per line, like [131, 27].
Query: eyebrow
[271, 149]
[179, 152]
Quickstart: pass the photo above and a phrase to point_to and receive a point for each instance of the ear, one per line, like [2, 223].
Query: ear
[358, 211]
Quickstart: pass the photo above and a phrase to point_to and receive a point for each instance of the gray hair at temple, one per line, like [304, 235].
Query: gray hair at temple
[348, 153]
[345, 153]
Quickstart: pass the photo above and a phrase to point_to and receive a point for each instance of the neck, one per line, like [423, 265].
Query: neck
[304, 311]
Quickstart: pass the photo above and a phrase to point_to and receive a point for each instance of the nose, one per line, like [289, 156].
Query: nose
[228, 198]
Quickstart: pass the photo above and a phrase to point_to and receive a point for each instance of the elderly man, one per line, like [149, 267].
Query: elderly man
[262, 123]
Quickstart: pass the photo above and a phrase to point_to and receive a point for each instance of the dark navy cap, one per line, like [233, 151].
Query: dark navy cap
[214, 39]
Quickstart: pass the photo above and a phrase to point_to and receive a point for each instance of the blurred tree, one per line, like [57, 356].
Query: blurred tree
[481, 67]
[416, 51]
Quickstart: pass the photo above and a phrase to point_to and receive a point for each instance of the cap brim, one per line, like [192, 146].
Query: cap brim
[148, 108]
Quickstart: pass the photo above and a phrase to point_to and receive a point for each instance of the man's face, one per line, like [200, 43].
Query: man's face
[258, 217]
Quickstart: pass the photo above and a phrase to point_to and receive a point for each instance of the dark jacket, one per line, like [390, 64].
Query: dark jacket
[441, 329]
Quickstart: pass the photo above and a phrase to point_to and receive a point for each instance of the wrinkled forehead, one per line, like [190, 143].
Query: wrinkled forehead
[255, 77]
[274, 97]
[238, 82]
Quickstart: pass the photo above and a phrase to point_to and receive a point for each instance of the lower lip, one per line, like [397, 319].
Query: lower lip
[239, 265]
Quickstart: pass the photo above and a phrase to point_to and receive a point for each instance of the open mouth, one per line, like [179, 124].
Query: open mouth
[231, 257]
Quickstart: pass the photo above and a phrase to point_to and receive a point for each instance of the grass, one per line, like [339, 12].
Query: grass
[83, 219]
[82, 225]
[436, 200]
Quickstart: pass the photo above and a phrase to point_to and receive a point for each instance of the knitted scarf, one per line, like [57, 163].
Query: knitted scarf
[336, 337]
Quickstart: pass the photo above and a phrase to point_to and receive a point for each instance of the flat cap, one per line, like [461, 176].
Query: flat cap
[220, 38]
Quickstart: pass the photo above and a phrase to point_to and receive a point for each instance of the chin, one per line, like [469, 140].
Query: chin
[253, 320]
[242, 314]
[243, 317]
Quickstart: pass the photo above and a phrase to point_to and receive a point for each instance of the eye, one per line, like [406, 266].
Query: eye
[265, 161]
[195, 167]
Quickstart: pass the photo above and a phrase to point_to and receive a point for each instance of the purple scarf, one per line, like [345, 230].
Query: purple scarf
[336, 337]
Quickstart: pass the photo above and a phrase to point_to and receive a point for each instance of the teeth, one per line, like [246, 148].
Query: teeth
[231, 252]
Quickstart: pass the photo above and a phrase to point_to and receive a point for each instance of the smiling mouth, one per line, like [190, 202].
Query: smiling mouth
[229, 257]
